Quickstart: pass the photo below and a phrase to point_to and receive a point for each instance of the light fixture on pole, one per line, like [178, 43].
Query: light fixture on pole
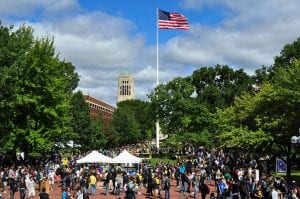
[295, 139]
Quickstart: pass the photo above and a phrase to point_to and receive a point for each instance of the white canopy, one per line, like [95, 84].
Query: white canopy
[95, 157]
[125, 158]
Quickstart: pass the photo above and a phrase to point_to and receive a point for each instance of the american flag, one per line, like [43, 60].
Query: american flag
[172, 20]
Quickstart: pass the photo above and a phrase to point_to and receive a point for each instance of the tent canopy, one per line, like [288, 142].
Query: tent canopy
[95, 157]
[125, 158]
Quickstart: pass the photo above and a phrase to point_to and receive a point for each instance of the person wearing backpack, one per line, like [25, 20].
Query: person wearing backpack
[167, 187]
[156, 183]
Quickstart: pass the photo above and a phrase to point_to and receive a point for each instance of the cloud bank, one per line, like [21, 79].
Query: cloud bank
[102, 46]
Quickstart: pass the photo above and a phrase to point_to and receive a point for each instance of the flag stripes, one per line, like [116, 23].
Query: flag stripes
[172, 20]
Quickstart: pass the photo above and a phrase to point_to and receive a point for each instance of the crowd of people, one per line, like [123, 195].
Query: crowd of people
[205, 174]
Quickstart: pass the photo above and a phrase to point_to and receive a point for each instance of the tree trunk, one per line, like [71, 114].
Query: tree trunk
[289, 169]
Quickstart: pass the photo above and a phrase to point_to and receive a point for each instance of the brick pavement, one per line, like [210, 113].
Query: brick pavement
[56, 193]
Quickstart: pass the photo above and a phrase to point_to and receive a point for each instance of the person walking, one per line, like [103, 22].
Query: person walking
[167, 187]
[93, 182]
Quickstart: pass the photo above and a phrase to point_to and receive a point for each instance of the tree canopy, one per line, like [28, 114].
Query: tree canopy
[35, 91]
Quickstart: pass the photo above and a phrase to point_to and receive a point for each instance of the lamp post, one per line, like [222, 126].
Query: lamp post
[295, 139]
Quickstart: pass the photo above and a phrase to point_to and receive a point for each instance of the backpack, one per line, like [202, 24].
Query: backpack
[204, 188]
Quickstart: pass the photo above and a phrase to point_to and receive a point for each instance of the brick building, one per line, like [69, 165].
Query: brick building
[98, 107]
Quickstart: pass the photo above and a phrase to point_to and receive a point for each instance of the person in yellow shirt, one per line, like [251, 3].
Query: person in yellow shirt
[65, 161]
[93, 184]
[45, 185]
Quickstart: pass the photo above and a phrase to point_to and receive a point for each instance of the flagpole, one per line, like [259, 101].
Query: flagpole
[157, 81]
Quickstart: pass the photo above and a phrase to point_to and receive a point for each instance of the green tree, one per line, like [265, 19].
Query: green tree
[236, 128]
[288, 55]
[143, 115]
[181, 116]
[98, 138]
[218, 86]
[266, 121]
[126, 127]
[39, 86]
[13, 46]
[81, 121]
[278, 110]
[261, 76]
[176, 108]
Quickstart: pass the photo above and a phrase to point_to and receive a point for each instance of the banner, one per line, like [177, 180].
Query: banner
[280, 166]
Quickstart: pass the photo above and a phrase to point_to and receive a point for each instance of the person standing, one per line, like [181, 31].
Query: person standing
[30, 186]
[79, 193]
[83, 185]
[93, 183]
[167, 187]
[43, 194]
[13, 185]
[196, 182]
[204, 189]
[275, 194]
[184, 180]
[118, 184]
[106, 184]
[4, 175]
[177, 175]
[51, 177]
[22, 188]
[64, 194]
[45, 184]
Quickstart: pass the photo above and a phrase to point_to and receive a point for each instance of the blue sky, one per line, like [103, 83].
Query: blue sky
[103, 38]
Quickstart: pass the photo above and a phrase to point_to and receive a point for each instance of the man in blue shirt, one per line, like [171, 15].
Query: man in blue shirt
[222, 187]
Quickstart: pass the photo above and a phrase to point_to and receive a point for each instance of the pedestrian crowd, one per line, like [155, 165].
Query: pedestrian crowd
[204, 174]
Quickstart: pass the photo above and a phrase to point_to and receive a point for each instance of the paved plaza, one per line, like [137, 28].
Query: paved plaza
[56, 193]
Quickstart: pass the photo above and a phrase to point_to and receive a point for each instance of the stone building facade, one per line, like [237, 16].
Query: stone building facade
[125, 87]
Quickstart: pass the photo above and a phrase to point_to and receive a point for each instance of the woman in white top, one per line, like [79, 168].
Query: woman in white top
[30, 186]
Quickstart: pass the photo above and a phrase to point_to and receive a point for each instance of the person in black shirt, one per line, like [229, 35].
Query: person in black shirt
[43, 194]
[13, 185]
[22, 188]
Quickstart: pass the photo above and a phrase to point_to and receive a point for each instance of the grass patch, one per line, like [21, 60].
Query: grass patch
[154, 161]
[295, 175]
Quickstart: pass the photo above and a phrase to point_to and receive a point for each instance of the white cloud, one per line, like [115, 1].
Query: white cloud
[251, 37]
[27, 8]
[102, 46]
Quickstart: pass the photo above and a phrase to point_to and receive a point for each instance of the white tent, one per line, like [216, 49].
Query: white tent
[95, 157]
[126, 158]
